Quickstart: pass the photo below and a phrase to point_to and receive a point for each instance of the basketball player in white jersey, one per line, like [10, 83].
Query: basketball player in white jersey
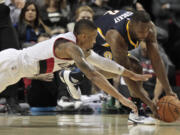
[58, 53]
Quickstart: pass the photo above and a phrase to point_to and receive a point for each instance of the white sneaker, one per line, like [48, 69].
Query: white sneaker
[65, 104]
[134, 119]
[73, 90]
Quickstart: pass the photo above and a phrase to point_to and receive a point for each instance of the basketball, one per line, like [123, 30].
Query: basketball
[168, 108]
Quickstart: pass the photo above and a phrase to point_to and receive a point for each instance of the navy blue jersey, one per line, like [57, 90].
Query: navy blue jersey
[118, 20]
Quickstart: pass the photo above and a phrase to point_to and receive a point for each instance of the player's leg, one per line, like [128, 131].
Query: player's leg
[10, 68]
[72, 79]
[137, 68]
[143, 118]
[120, 55]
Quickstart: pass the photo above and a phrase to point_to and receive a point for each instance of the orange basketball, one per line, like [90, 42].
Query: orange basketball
[168, 108]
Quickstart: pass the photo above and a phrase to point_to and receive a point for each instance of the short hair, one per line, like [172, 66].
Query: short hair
[141, 16]
[82, 25]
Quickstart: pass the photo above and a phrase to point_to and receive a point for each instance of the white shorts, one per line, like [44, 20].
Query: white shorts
[9, 68]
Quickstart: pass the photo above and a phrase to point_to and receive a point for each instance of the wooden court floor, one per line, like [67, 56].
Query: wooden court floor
[81, 125]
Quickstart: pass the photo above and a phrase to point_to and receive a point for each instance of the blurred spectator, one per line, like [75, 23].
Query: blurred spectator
[166, 12]
[167, 15]
[15, 9]
[55, 15]
[83, 12]
[99, 7]
[120, 4]
[30, 26]
[8, 39]
[7, 30]
[83, 2]
[65, 8]
[130, 4]
[147, 5]
[40, 3]
[75, 4]
[42, 93]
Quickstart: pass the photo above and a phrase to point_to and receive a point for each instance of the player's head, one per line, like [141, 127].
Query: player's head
[85, 32]
[140, 24]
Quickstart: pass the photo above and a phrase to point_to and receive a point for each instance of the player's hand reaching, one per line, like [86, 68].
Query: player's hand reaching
[155, 100]
[129, 104]
[139, 77]
[171, 93]
[136, 77]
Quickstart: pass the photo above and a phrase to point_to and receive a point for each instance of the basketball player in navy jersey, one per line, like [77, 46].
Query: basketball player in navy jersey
[120, 31]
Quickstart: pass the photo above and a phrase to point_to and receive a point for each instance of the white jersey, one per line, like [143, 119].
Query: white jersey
[43, 56]
[40, 58]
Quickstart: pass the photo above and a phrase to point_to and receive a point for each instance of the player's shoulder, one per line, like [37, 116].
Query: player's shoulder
[69, 37]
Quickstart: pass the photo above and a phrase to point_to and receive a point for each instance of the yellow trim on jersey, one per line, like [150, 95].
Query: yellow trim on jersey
[132, 43]
[106, 45]
[101, 34]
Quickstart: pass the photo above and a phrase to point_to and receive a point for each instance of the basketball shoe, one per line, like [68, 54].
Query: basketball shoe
[141, 118]
[71, 83]
[146, 120]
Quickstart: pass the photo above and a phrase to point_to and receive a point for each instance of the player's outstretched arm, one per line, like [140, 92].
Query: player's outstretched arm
[136, 77]
[157, 63]
[113, 67]
[98, 79]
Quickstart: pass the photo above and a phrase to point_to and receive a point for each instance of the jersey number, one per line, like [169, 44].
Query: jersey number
[112, 12]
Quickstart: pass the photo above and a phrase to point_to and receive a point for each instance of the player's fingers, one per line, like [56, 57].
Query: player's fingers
[155, 100]
[144, 77]
[147, 76]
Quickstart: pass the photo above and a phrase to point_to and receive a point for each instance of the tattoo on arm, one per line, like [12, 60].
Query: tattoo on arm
[78, 56]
